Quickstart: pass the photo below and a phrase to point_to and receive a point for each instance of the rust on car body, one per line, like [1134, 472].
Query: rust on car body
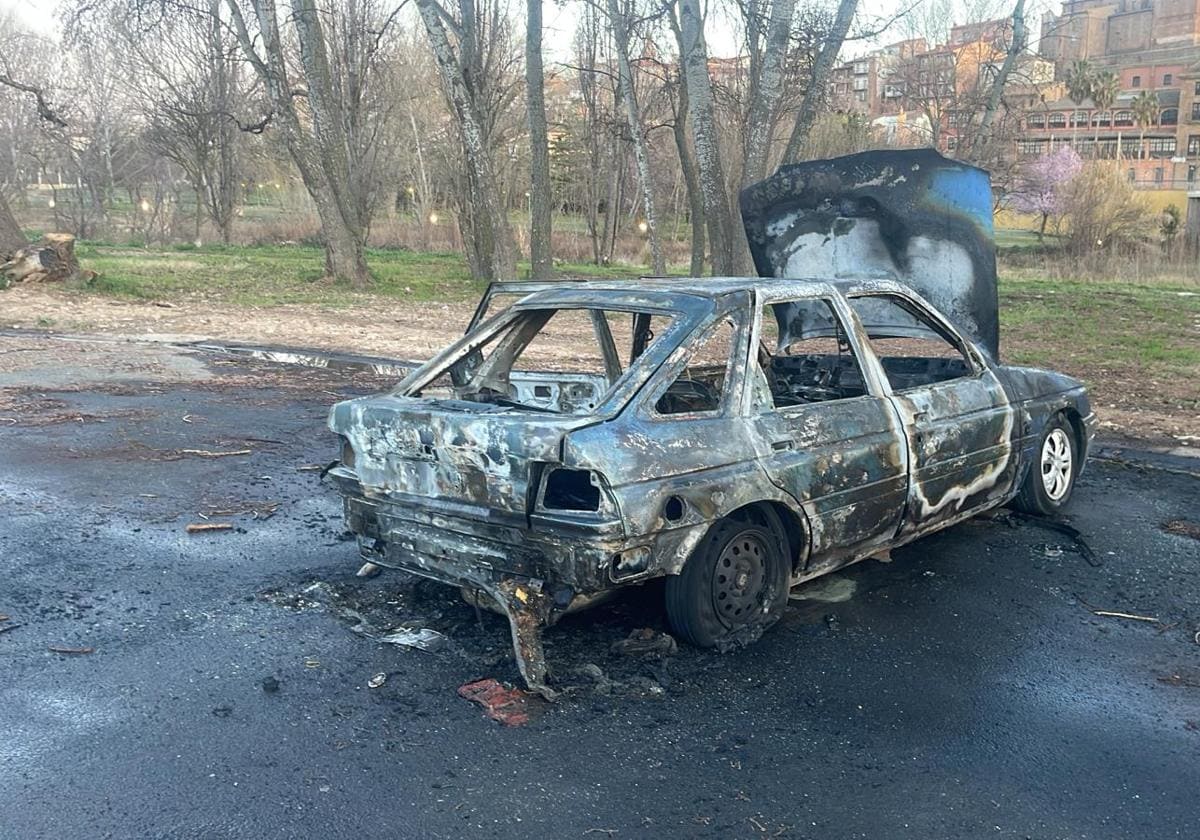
[736, 435]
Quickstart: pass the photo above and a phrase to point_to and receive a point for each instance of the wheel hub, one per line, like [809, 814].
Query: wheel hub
[739, 579]
[1056, 464]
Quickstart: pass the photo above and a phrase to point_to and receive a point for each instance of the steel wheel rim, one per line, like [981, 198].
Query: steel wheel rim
[739, 579]
[1056, 464]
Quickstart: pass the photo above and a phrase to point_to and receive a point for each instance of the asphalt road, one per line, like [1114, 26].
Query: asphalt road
[964, 690]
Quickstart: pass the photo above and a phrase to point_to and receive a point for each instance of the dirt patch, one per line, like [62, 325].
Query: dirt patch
[1128, 402]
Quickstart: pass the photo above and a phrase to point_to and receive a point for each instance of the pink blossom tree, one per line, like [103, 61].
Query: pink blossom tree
[1041, 186]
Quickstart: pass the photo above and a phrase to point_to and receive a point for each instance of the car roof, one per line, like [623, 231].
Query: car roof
[662, 288]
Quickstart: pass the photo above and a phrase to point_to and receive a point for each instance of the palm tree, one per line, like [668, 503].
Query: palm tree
[1080, 79]
[1145, 113]
[1105, 89]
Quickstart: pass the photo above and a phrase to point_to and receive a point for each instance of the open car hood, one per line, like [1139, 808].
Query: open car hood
[912, 215]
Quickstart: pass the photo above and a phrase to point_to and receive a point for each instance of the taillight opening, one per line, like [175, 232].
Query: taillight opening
[571, 490]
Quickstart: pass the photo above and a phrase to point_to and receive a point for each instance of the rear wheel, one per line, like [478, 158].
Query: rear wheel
[1051, 478]
[733, 587]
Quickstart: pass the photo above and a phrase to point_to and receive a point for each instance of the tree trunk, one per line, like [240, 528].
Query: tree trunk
[633, 117]
[12, 237]
[819, 84]
[997, 91]
[691, 182]
[760, 127]
[541, 263]
[50, 260]
[489, 217]
[322, 156]
[694, 58]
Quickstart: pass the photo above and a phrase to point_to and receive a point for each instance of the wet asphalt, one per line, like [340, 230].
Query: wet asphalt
[964, 690]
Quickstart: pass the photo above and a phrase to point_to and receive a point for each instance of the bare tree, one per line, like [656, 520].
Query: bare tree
[323, 113]
[766, 91]
[619, 20]
[189, 81]
[690, 176]
[541, 263]
[491, 248]
[1015, 47]
[814, 97]
[693, 55]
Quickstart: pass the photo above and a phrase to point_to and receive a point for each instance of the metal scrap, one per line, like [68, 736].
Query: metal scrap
[420, 638]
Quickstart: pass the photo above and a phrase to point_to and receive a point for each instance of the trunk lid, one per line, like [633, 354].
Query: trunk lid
[486, 456]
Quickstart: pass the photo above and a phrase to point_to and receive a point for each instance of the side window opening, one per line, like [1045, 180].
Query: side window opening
[558, 360]
[702, 384]
[806, 356]
[913, 350]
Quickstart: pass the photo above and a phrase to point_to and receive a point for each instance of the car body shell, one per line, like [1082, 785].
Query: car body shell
[456, 492]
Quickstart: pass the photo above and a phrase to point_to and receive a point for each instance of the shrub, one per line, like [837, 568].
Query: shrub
[1104, 210]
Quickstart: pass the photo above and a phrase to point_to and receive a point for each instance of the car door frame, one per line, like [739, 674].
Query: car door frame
[956, 468]
[807, 450]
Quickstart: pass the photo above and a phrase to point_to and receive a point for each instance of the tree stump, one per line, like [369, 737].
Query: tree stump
[50, 260]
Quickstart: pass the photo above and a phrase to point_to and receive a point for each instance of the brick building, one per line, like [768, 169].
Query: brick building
[1150, 45]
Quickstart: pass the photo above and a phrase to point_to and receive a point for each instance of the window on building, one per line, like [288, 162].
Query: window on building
[1166, 79]
[1196, 112]
[860, 68]
[1136, 82]
[860, 96]
[1123, 119]
[1169, 116]
[1059, 119]
[1193, 147]
[1196, 89]
[1131, 175]
[1035, 121]
[1158, 174]
[1191, 175]
[1161, 146]
[860, 84]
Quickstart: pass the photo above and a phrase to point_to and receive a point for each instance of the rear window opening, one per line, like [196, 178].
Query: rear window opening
[564, 361]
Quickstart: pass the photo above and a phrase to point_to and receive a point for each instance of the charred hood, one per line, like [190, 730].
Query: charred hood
[912, 214]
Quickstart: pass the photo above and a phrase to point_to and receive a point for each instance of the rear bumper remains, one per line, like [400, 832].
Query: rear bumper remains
[533, 577]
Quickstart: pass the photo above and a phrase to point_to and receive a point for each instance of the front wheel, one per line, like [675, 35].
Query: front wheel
[1051, 478]
[733, 587]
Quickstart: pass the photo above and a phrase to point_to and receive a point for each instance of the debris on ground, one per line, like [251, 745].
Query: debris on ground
[208, 453]
[1103, 613]
[8, 627]
[205, 527]
[593, 672]
[270, 685]
[1130, 616]
[71, 650]
[1182, 528]
[1177, 679]
[312, 662]
[421, 638]
[646, 642]
[377, 680]
[368, 570]
[829, 589]
[502, 703]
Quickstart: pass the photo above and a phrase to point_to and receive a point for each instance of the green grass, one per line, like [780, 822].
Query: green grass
[276, 275]
[1124, 339]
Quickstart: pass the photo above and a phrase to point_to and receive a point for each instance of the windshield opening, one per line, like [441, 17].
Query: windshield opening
[564, 361]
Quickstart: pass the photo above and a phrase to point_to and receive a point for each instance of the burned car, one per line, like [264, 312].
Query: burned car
[734, 435]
